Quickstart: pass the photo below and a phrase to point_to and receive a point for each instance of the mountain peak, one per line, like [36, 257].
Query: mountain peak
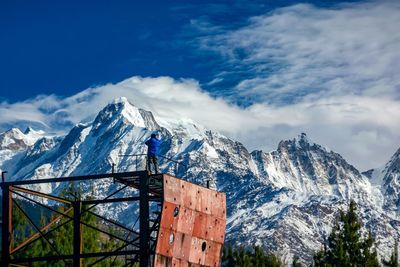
[14, 131]
[303, 137]
[301, 142]
[304, 142]
[28, 130]
[393, 166]
[121, 100]
[119, 109]
[122, 112]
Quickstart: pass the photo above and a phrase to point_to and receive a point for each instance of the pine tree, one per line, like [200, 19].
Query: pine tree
[345, 246]
[251, 257]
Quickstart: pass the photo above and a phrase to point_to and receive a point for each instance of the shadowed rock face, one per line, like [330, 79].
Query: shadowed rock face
[285, 200]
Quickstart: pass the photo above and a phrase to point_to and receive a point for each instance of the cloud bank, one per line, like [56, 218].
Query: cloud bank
[332, 73]
[366, 132]
[304, 53]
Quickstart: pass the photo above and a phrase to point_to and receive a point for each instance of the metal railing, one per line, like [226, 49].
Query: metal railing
[138, 156]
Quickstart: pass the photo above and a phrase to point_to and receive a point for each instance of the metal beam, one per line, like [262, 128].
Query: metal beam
[5, 230]
[37, 235]
[78, 178]
[24, 190]
[108, 197]
[110, 234]
[114, 223]
[44, 234]
[144, 222]
[10, 216]
[71, 257]
[72, 218]
[112, 200]
[37, 228]
[77, 237]
[105, 257]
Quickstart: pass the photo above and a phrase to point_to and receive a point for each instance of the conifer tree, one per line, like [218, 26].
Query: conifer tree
[346, 246]
[254, 257]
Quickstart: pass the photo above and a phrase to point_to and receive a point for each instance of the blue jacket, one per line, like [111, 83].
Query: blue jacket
[153, 146]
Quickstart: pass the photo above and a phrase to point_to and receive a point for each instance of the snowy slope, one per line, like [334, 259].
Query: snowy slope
[387, 178]
[285, 200]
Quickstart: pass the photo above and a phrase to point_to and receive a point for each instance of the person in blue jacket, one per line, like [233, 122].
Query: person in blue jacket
[153, 147]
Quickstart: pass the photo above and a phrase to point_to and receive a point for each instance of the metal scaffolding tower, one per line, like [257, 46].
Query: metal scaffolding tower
[141, 244]
[179, 222]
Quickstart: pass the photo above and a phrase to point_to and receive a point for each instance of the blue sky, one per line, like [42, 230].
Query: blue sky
[257, 71]
[63, 47]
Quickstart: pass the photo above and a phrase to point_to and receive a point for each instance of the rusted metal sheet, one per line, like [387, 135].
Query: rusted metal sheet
[192, 227]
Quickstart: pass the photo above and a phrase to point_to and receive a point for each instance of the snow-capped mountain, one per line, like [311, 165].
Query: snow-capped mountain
[285, 200]
[388, 179]
[14, 139]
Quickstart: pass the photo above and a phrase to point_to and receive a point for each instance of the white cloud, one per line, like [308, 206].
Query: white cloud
[304, 52]
[163, 95]
[338, 67]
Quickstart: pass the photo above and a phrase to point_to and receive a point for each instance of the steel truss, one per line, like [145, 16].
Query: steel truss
[138, 247]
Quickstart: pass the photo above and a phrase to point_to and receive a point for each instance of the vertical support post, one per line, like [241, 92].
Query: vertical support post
[77, 241]
[144, 221]
[148, 167]
[5, 230]
[10, 227]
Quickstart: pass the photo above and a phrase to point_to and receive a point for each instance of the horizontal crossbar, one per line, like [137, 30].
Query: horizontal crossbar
[77, 178]
[70, 257]
[112, 200]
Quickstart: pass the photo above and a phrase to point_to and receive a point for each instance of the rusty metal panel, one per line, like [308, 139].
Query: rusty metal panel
[217, 229]
[168, 221]
[171, 190]
[186, 220]
[178, 263]
[163, 245]
[188, 195]
[213, 254]
[192, 227]
[218, 207]
[205, 252]
[181, 249]
[204, 201]
[196, 253]
[200, 225]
